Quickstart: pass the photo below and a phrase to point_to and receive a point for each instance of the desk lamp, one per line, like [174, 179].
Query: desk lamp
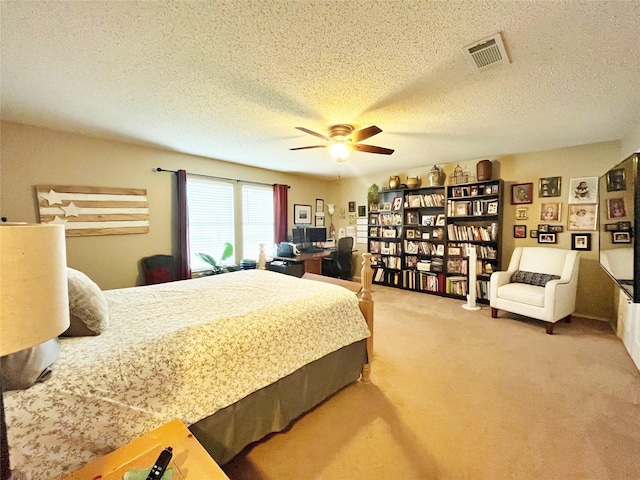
[34, 302]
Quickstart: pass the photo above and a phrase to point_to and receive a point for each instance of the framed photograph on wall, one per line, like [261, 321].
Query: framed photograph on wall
[580, 241]
[522, 213]
[583, 190]
[616, 180]
[616, 208]
[319, 220]
[620, 237]
[533, 233]
[301, 214]
[521, 193]
[319, 205]
[519, 231]
[549, 187]
[547, 238]
[550, 212]
[352, 207]
[582, 217]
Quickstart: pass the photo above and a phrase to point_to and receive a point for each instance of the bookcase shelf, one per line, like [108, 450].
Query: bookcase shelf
[420, 238]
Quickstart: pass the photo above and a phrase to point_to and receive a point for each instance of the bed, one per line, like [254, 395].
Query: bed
[234, 356]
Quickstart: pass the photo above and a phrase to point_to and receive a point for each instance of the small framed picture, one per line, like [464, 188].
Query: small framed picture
[543, 227]
[319, 220]
[550, 212]
[396, 204]
[427, 220]
[621, 237]
[616, 208]
[453, 251]
[386, 206]
[521, 193]
[495, 188]
[583, 190]
[533, 233]
[413, 218]
[474, 191]
[519, 231]
[547, 238]
[616, 180]
[440, 219]
[301, 214]
[319, 205]
[410, 233]
[374, 207]
[385, 250]
[492, 208]
[582, 217]
[426, 235]
[580, 241]
[611, 227]
[624, 225]
[457, 192]
[362, 210]
[549, 187]
[556, 228]
[352, 207]
[522, 213]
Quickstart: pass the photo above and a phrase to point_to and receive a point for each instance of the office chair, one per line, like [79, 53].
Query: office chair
[338, 264]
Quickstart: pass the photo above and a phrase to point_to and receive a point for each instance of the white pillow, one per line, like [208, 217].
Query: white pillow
[88, 308]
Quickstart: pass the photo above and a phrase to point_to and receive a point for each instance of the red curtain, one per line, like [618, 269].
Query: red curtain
[183, 264]
[280, 211]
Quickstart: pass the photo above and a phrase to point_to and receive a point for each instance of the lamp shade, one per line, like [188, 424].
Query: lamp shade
[34, 300]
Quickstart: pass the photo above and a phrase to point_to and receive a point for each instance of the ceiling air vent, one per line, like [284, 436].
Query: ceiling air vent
[486, 53]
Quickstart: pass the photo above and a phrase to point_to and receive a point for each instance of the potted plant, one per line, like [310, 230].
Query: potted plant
[216, 265]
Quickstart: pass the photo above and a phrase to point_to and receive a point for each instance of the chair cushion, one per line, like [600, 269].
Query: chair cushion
[522, 293]
[533, 278]
[158, 275]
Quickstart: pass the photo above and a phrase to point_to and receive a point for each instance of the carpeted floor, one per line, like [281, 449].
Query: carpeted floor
[459, 395]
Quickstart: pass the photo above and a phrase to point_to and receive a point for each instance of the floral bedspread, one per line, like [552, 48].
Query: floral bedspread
[177, 350]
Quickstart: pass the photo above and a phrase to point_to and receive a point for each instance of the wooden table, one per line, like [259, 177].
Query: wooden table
[312, 261]
[190, 460]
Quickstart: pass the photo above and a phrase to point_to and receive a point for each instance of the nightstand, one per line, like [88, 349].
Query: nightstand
[190, 460]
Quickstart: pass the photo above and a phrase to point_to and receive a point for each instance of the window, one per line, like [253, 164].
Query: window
[257, 220]
[210, 219]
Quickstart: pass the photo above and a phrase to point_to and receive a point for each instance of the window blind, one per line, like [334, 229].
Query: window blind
[210, 219]
[257, 220]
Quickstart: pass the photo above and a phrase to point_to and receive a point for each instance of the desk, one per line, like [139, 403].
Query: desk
[311, 262]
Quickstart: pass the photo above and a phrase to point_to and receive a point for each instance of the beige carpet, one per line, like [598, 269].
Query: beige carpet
[459, 395]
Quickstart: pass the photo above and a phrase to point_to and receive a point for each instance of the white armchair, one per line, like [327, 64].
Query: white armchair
[543, 288]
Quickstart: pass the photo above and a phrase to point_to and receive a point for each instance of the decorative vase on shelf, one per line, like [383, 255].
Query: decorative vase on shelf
[413, 182]
[394, 182]
[435, 177]
[483, 170]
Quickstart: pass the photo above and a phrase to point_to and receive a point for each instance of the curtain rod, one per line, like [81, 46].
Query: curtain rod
[160, 169]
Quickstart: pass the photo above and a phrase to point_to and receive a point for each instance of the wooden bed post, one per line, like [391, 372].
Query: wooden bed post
[366, 307]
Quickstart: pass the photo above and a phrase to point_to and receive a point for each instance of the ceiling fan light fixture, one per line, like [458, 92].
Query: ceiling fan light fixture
[339, 151]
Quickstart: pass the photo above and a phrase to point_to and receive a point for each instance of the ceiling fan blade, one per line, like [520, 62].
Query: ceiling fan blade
[313, 146]
[364, 133]
[372, 149]
[315, 134]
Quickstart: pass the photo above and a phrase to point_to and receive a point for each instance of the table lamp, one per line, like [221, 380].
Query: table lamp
[34, 301]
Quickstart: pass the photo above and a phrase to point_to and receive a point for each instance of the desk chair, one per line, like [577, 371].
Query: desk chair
[339, 263]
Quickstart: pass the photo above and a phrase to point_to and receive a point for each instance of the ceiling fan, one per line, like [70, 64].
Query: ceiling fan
[343, 139]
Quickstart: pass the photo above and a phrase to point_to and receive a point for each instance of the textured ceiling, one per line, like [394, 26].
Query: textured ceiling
[231, 79]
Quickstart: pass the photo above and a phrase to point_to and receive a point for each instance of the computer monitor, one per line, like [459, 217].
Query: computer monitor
[298, 235]
[316, 234]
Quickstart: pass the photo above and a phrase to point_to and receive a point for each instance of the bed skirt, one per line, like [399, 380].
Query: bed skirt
[272, 408]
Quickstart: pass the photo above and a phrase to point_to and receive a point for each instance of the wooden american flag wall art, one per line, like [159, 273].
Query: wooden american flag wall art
[94, 210]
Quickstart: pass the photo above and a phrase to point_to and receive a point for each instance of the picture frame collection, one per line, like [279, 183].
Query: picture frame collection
[581, 211]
